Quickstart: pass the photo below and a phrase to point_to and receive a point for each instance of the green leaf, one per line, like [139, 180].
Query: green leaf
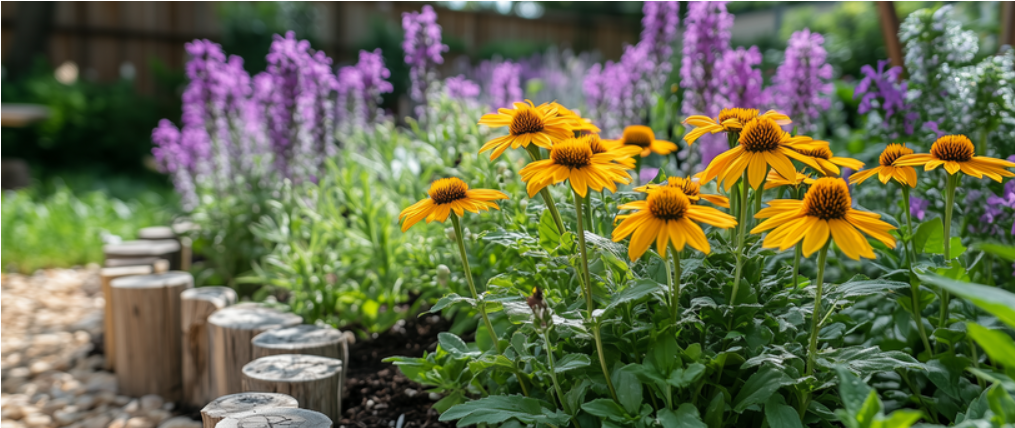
[998, 302]
[1001, 404]
[497, 409]
[664, 354]
[686, 416]
[781, 415]
[902, 418]
[454, 345]
[629, 389]
[999, 346]
[869, 411]
[549, 237]
[925, 231]
[759, 387]
[867, 361]
[945, 372]
[715, 410]
[1006, 252]
[449, 300]
[605, 408]
[571, 362]
[682, 378]
[640, 289]
[852, 390]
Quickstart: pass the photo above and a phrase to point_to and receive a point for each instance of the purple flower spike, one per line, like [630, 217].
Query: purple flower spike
[423, 48]
[802, 82]
[918, 207]
[740, 78]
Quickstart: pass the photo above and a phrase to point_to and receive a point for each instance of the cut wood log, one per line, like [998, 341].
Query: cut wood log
[106, 276]
[307, 340]
[273, 418]
[197, 305]
[230, 331]
[151, 261]
[182, 258]
[160, 248]
[247, 402]
[147, 338]
[314, 381]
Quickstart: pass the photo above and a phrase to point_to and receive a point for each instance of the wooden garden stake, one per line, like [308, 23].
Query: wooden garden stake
[314, 381]
[244, 403]
[197, 305]
[229, 333]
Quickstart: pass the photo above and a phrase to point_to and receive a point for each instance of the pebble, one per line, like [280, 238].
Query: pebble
[51, 321]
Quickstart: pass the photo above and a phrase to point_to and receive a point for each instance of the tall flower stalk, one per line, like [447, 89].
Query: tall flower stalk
[802, 82]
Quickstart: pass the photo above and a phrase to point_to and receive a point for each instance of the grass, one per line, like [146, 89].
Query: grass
[54, 226]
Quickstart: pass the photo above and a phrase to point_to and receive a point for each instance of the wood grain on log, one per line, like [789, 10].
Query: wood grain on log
[277, 418]
[168, 249]
[181, 258]
[147, 338]
[247, 402]
[106, 276]
[230, 331]
[197, 305]
[307, 340]
[314, 381]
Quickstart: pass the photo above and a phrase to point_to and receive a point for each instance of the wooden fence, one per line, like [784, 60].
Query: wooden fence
[108, 39]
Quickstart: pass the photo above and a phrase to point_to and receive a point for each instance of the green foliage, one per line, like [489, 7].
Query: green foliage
[65, 228]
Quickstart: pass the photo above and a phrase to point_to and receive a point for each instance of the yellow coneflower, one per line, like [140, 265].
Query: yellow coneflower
[642, 136]
[624, 155]
[667, 216]
[825, 211]
[449, 195]
[775, 180]
[574, 160]
[578, 124]
[527, 124]
[729, 120]
[887, 170]
[828, 162]
[762, 143]
[956, 153]
[691, 189]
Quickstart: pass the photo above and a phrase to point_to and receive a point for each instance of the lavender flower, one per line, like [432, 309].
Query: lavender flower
[460, 88]
[423, 48]
[740, 78]
[706, 37]
[505, 84]
[301, 111]
[918, 207]
[360, 87]
[881, 90]
[801, 83]
[659, 29]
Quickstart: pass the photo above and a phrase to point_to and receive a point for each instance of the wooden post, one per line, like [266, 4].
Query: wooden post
[183, 231]
[106, 276]
[229, 333]
[288, 418]
[162, 248]
[197, 305]
[154, 262]
[182, 258]
[890, 31]
[307, 340]
[1007, 22]
[314, 381]
[146, 316]
[247, 402]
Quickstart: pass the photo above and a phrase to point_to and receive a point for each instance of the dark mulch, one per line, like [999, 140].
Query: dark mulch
[378, 393]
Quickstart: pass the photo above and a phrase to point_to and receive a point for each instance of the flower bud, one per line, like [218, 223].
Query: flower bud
[450, 232]
[443, 274]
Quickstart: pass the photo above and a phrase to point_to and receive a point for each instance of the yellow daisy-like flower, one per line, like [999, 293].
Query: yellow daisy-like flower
[527, 124]
[447, 195]
[956, 153]
[668, 216]
[828, 162]
[887, 170]
[762, 143]
[691, 189]
[642, 136]
[777, 180]
[825, 211]
[574, 160]
[578, 124]
[729, 120]
[624, 154]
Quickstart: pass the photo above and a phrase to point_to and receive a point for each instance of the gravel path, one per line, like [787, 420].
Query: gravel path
[51, 324]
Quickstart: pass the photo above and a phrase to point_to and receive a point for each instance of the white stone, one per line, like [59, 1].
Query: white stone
[180, 422]
[151, 402]
[38, 420]
[140, 422]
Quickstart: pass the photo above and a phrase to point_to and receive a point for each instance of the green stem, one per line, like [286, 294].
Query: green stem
[674, 283]
[976, 360]
[952, 182]
[797, 252]
[459, 237]
[588, 212]
[914, 282]
[553, 372]
[741, 238]
[587, 279]
[812, 349]
[545, 193]
[759, 193]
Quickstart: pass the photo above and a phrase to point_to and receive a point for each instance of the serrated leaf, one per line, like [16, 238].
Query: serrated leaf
[861, 286]
[640, 289]
[998, 302]
[867, 361]
[455, 345]
[449, 300]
